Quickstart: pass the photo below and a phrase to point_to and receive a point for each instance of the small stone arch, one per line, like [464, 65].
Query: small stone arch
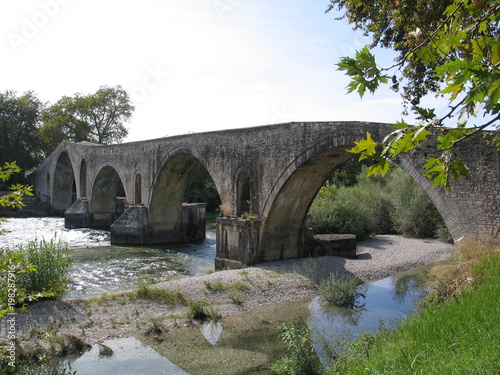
[83, 179]
[138, 189]
[243, 194]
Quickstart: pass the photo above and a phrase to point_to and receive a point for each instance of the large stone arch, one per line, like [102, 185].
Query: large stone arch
[285, 210]
[165, 214]
[104, 206]
[63, 187]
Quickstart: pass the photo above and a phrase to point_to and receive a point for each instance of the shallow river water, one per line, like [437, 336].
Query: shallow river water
[99, 267]
[251, 338]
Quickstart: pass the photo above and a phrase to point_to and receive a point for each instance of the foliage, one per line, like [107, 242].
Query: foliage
[413, 213]
[377, 205]
[341, 210]
[52, 260]
[97, 118]
[201, 189]
[13, 199]
[341, 290]
[19, 126]
[449, 48]
[302, 359]
[12, 266]
[436, 340]
[164, 296]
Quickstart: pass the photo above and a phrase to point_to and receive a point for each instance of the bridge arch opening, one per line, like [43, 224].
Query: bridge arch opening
[283, 235]
[108, 200]
[182, 191]
[63, 184]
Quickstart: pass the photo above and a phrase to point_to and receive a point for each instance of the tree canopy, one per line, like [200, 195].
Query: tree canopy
[98, 118]
[447, 48]
[19, 124]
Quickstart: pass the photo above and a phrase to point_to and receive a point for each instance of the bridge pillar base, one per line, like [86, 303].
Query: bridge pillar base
[237, 242]
[77, 215]
[130, 227]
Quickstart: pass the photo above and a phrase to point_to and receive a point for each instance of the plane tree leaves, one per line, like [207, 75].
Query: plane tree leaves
[449, 48]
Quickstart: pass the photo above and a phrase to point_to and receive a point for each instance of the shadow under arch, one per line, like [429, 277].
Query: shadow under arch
[283, 232]
[63, 189]
[168, 218]
[105, 207]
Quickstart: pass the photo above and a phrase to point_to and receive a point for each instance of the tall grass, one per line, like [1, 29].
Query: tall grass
[52, 260]
[459, 336]
[341, 290]
[302, 359]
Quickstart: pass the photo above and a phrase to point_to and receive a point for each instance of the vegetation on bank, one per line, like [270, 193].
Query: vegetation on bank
[39, 269]
[355, 203]
[455, 330]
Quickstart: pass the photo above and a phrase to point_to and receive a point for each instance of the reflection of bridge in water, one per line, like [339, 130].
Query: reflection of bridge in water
[272, 172]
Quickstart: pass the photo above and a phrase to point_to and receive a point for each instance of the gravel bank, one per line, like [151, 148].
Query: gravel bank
[229, 292]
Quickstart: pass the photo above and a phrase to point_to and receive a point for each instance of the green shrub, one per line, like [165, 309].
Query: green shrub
[12, 266]
[302, 359]
[341, 210]
[377, 205]
[164, 296]
[52, 260]
[340, 290]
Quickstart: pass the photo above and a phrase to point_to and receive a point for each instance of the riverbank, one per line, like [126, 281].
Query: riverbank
[222, 294]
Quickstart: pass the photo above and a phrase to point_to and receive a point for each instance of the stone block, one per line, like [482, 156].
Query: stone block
[343, 245]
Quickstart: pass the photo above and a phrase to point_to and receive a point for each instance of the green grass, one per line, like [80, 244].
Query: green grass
[458, 336]
[164, 296]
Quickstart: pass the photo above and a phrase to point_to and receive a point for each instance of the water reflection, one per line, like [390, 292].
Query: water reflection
[386, 302]
[212, 331]
[127, 356]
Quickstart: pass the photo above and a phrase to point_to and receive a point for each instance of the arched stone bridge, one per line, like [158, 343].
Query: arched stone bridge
[273, 172]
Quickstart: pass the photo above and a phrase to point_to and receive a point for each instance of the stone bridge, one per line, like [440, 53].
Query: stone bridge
[272, 172]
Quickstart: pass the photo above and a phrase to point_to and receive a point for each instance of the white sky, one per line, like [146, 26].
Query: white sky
[190, 65]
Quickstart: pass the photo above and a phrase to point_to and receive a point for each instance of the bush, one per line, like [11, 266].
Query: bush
[377, 205]
[341, 210]
[340, 290]
[29, 272]
[302, 359]
[52, 260]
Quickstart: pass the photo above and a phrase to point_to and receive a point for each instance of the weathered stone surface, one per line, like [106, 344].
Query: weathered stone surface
[233, 235]
[130, 227]
[77, 215]
[273, 172]
[343, 245]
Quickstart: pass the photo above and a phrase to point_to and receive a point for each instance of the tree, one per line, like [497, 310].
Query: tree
[97, 118]
[448, 48]
[19, 126]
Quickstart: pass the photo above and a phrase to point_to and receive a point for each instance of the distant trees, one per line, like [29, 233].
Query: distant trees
[98, 118]
[31, 129]
[19, 125]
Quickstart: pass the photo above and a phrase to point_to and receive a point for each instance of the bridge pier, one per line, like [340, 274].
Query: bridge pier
[134, 228]
[237, 242]
[78, 214]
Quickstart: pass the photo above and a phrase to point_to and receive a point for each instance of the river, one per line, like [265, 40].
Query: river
[99, 268]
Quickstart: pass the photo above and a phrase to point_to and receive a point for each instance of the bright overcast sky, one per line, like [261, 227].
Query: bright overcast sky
[189, 65]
